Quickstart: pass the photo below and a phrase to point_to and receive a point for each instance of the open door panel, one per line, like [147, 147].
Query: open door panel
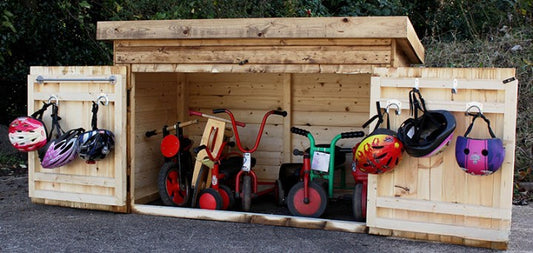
[102, 185]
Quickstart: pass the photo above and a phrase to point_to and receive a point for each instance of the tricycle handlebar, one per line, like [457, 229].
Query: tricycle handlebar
[299, 131]
[354, 134]
[297, 152]
[278, 112]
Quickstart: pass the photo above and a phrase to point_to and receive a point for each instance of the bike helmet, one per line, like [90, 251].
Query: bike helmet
[380, 151]
[428, 134]
[29, 133]
[479, 156]
[62, 150]
[96, 144]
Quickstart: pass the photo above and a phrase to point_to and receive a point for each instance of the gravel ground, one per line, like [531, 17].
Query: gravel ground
[28, 227]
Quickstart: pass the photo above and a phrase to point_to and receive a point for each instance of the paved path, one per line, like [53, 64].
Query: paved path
[28, 227]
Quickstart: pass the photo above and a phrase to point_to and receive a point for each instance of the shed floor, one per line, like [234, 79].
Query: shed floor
[339, 208]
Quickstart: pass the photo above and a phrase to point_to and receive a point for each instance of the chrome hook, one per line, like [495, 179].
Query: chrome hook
[105, 98]
[471, 105]
[53, 99]
[396, 103]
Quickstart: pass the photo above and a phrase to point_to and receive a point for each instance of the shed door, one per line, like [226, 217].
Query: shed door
[101, 185]
[433, 196]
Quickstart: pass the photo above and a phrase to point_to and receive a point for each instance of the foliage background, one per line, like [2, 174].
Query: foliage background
[459, 33]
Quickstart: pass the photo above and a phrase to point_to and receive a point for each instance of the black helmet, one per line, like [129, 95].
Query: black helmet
[96, 144]
[428, 134]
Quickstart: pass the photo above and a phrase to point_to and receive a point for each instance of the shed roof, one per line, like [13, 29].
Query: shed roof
[399, 28]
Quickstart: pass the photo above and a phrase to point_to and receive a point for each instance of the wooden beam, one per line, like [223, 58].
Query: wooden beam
[443, 229]
[323, 27]
[443, 208]
[254, 218]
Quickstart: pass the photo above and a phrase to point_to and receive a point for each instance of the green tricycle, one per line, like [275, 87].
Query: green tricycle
[308, 197]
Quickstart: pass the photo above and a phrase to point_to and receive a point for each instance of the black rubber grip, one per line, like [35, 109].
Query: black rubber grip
[299, 131]
[282, 113]
[355, 134]
[198, 149]
[346, 150]
[297, 152]
[150, 133]
[215, 111]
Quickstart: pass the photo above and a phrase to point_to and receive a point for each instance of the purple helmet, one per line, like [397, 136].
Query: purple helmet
[60, 151]
[479, 156]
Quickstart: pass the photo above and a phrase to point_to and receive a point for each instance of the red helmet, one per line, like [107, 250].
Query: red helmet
[27, 134]
[378, 153]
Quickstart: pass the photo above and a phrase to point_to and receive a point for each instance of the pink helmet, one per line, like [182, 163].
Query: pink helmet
[479, 156]
[61, 150]
[29, 133]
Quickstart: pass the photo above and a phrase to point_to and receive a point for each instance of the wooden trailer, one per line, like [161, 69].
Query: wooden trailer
[326, 73]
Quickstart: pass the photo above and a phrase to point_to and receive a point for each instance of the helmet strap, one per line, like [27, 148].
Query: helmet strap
[94, 118]
[39, 113]
[479, 115]
[55, 122]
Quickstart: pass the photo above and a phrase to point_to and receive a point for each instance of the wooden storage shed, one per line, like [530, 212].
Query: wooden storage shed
[325, 72]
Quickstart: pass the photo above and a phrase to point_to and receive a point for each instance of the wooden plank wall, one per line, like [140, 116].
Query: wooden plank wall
[325, 104]
[343, 106]
[432, 198]
[96, 186]
[155, 104]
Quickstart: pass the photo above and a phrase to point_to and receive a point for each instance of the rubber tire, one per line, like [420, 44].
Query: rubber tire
[200, 184]
[317, 200]
[246, 198]
[279, 193]
[228, 200]
[210, 199]
[357, 202]
[171, 198]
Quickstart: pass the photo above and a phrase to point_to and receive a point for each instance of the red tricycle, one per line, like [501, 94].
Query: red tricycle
[246, 180]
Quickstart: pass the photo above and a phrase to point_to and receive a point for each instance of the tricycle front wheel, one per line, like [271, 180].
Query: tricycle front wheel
[174, 189]
[317, 200]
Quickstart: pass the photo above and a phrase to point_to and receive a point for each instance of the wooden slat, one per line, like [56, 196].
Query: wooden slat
[478, 84]
[75, 179]
[324, 27]
[251, 42]
[452, 106]
[443, 229]
[443, 208]
[254, 68]
[256, 55]
[255, 218]
[78, 197]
